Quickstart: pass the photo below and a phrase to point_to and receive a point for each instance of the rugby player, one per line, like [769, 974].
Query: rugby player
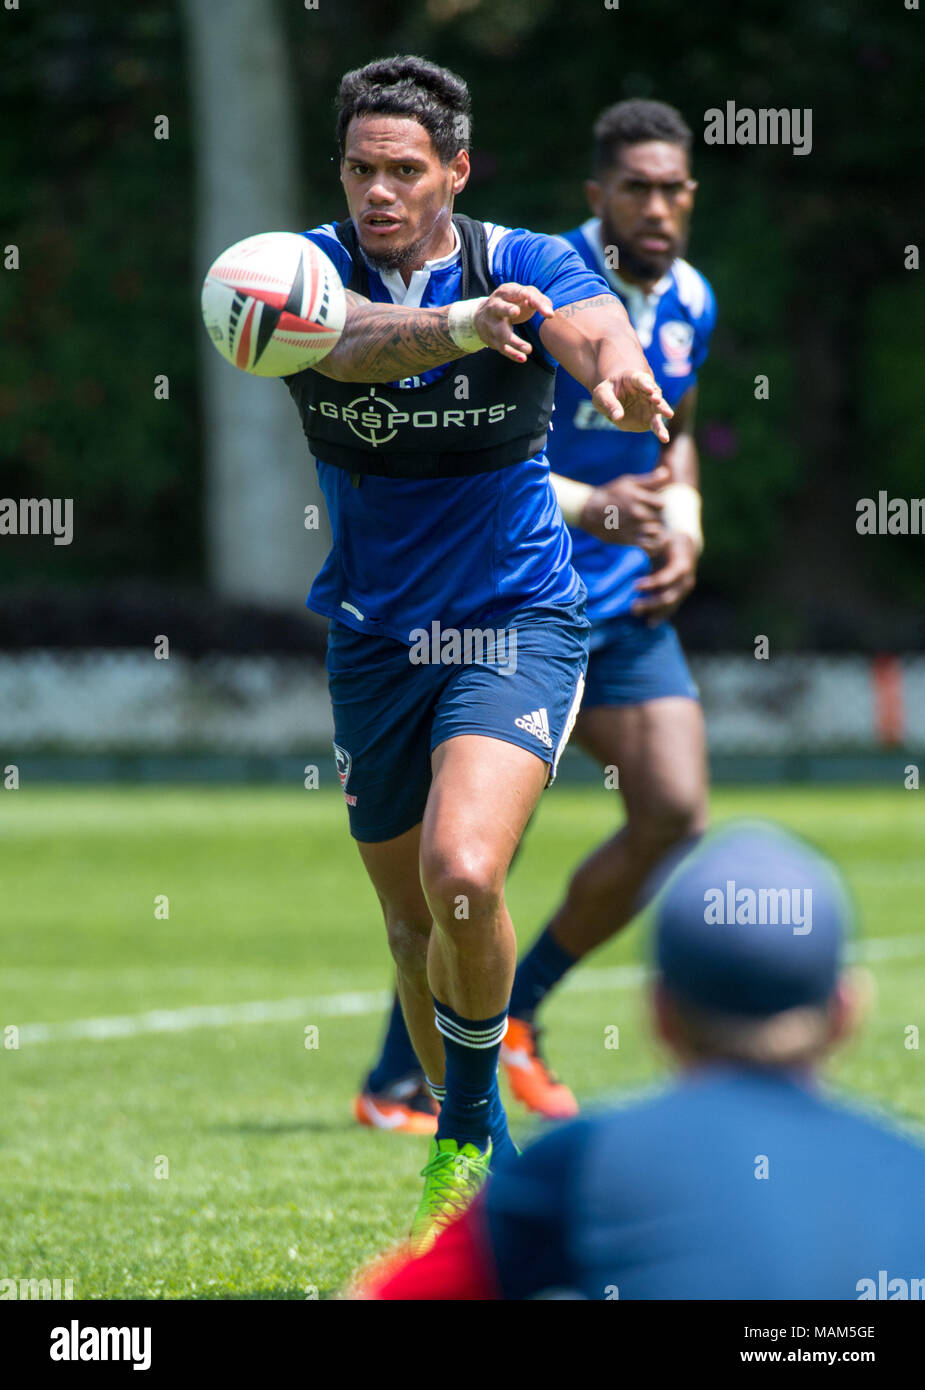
[430, 455]
[634, 509]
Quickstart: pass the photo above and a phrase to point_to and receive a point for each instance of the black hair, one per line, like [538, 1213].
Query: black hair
[631, 122]
[409, 86]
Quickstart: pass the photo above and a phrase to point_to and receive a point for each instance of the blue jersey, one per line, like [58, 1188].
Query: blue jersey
[731, 1184]
[407, 552]
[673, 324]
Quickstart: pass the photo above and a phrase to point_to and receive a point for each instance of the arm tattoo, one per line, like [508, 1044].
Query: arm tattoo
[600, 301]
[384, 342]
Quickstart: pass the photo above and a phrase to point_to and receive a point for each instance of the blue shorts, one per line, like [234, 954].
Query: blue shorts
[393, 705]
[631, 663]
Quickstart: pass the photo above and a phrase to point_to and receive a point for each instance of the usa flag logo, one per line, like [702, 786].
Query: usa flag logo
[344, 763]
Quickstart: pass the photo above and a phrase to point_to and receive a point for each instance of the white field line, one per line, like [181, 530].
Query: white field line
[358, 1002]
[208, 1016]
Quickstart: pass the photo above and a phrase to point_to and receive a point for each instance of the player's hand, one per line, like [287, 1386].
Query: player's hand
[627, 510]
[664, 590]
[505, 306]
[633, 401]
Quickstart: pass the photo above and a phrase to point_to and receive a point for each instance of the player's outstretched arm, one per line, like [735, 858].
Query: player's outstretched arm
[594, 340]
[384, 342]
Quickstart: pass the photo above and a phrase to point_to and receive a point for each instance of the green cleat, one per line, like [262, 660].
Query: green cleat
[452, 1178]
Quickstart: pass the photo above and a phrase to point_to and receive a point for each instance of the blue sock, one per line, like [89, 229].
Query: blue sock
[472, 1112]
[397, 1057]
[541, 968]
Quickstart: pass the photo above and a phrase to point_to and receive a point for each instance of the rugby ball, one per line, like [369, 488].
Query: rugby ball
[273, 304]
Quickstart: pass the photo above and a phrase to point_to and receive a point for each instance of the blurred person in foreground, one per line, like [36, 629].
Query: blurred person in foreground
[741, 1179]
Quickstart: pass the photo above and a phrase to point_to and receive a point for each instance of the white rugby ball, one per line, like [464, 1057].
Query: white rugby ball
[273, 304]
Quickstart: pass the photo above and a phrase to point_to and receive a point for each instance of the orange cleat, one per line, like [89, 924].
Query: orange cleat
[529, 1078]
[407, 1107]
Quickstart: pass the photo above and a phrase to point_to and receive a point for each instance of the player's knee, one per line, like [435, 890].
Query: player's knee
[461, 888]
[408, 940]
[667, 821]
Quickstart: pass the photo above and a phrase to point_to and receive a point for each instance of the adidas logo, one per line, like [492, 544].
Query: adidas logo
[537, 724]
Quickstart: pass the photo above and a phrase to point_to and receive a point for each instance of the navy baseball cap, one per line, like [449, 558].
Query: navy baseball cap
[752, 923]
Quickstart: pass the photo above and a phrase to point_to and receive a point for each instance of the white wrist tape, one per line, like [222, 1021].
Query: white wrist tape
[571, 496]
[681, 512]
[461, 324]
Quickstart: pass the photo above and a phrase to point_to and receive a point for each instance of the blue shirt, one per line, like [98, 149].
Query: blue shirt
[733, 1183]
[458, 550]
[674, 324]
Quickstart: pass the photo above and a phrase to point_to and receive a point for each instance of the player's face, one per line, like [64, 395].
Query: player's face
[645, 203]
[399, 194]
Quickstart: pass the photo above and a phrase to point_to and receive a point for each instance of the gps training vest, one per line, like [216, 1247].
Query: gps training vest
[427, 431]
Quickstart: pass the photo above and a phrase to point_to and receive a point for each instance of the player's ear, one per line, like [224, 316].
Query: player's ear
[593, 195]
[854, 1001]
[461, 169]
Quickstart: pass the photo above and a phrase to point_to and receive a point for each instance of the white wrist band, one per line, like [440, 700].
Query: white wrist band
[681, 512]
[461, 324]
[571, 496]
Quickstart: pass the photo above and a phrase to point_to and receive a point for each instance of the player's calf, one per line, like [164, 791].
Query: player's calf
[471, 966]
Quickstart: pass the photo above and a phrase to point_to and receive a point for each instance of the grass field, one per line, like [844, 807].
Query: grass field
[271, 1191]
